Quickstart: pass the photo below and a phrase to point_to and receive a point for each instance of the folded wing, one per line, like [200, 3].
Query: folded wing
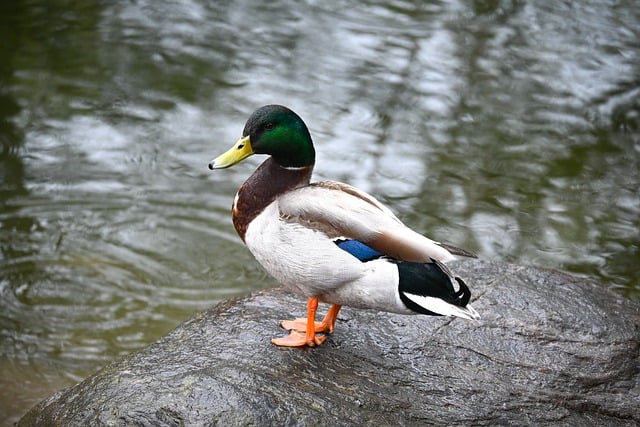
[342, 211]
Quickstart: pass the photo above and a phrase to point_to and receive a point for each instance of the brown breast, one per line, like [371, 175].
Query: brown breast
[268, 182]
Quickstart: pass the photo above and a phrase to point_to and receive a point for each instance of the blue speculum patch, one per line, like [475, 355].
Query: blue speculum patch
[359, 250]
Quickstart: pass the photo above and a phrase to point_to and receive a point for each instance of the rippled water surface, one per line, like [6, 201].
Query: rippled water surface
[508, 128]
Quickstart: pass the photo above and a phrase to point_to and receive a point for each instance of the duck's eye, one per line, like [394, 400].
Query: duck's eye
[269, 126]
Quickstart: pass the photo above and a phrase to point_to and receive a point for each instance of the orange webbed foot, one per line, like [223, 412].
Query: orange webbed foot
[303, 330]
[300, 324]
[299, 339]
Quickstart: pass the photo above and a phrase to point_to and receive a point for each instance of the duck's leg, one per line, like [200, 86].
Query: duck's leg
[327, 324]
[329, 321]
[301, 338]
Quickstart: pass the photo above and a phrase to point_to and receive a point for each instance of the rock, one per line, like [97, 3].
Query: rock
[550, 349]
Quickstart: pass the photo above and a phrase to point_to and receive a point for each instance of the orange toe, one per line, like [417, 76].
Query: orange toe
[299, 339]
[303, 330]
[294, 339]
[300, 324]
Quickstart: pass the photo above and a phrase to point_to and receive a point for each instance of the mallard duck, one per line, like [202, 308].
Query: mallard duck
[329, 241]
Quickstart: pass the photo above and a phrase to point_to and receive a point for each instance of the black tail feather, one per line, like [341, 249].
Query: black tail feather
[463, 295]
[430, 280]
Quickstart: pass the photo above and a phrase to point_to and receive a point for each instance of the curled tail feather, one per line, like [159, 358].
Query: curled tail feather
[428, 289]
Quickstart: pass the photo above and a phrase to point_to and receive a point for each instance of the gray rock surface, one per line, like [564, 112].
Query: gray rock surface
[551, 349]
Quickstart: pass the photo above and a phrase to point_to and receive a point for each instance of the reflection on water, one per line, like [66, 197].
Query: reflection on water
[508, 128]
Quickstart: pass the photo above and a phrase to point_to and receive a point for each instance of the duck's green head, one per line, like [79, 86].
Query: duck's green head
[274, 130]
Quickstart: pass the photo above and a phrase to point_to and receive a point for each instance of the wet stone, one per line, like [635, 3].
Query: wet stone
[550, 349]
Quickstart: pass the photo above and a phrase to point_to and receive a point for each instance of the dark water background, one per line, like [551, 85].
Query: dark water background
[507, 127]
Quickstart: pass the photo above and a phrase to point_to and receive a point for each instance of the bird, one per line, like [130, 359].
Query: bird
[330, 242]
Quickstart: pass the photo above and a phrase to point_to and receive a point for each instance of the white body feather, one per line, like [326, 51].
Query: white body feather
[309, 263]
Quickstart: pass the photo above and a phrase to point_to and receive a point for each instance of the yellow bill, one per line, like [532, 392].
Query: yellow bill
[240, 151]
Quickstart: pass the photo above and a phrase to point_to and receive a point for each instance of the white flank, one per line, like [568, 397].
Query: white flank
[439, 306]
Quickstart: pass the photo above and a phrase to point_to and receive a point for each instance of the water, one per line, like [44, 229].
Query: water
[508, 128]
